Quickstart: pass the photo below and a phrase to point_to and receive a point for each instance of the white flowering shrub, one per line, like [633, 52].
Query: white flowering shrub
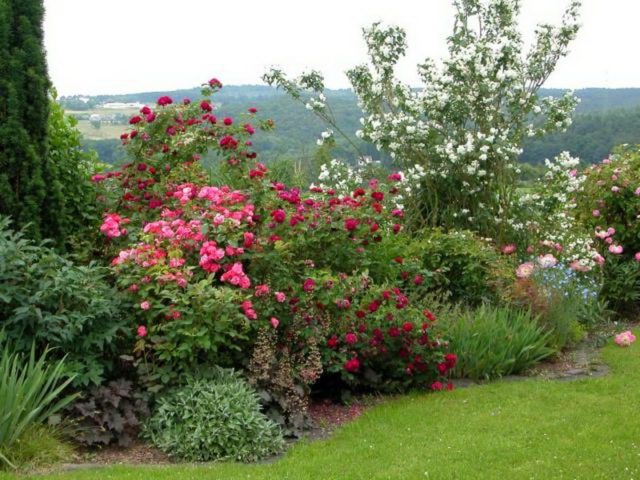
[465, 125]
[547, 218]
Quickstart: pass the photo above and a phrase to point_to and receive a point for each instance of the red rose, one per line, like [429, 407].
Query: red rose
[430, 316]
[360, 314]
[163, 101]
[449, 386]
[309, 285]
[352, 365]
[351, 338]
[442, 367]
[253, 110]
[332, 342]
[377, 196]
[396, 228]
[278, 216]
[407, 326]
[451, 359]
[418, 279]
[358, 192]
[436, 386]
[135, 119]
[215, 83]
[351, 224]
[206, 106]
[228, 121]
[394, 332]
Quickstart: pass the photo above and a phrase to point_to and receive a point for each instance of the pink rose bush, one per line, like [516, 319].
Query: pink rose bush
[611, 188]
[214, 266]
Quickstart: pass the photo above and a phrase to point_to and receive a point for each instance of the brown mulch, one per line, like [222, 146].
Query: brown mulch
[327, 414]
[136, 454]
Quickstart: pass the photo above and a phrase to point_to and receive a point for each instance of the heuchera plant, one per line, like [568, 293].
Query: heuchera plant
[210, 265]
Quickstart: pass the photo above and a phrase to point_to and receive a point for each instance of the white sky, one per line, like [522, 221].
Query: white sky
[125, 46]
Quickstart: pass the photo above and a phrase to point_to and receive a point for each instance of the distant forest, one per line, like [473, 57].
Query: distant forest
[605, 118]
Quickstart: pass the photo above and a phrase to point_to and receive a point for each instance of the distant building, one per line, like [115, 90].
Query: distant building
[121, 105]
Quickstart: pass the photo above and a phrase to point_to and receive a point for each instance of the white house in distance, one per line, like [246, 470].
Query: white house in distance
[121, 105]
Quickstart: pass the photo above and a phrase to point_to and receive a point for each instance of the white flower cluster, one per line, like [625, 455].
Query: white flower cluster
[549, 211]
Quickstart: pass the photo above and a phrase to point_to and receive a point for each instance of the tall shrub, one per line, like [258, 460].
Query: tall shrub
[465, 125]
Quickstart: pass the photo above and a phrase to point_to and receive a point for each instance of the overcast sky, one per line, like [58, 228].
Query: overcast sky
[121, 46]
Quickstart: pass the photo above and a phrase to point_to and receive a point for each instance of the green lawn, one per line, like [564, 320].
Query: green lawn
[536, 429]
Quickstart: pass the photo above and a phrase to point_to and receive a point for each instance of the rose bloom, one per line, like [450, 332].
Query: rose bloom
[616, 249]
[637, 257]
[350, 338]
[509, 249]
[280, 297]
[547, 261]
[145, 305]
[625, 339]
[596, 213]
[274, 322]
[525, 270]
[309, 285]
[352, 365]
[142, 331]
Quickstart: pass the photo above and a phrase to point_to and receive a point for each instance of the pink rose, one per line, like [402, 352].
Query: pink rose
[637, 257]
[616, 249]
[274, 322]
[596, 213]
[142, 331]
[280, 297]
[145, 305]
[525, 270]
[625, 339]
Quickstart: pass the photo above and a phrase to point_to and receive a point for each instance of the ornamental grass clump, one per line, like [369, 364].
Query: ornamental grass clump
[492, 342]
[31, 390]
[217, 419]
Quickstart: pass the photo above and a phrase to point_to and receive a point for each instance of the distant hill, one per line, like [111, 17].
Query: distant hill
[604, 118]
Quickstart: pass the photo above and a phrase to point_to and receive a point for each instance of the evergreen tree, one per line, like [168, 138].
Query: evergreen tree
[29, 192]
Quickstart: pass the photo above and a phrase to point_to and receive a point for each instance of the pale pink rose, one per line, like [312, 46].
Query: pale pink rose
[547, 261]
[606, 161]
[625, 339]
[274, 322]
[611, 231]
[596, 213]
[573, 173]
[599, 259]
[616, 249]
[637, 192]
[145, 305]
[614, 177]
[280, 297]
[615, 189]
[525, 270]
[609, 240]
[509, 249]
[637, 257]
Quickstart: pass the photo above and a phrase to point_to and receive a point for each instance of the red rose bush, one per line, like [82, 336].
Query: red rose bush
[249, 272]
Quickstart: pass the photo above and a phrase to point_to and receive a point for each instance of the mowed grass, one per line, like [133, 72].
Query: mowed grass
[535, 429]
